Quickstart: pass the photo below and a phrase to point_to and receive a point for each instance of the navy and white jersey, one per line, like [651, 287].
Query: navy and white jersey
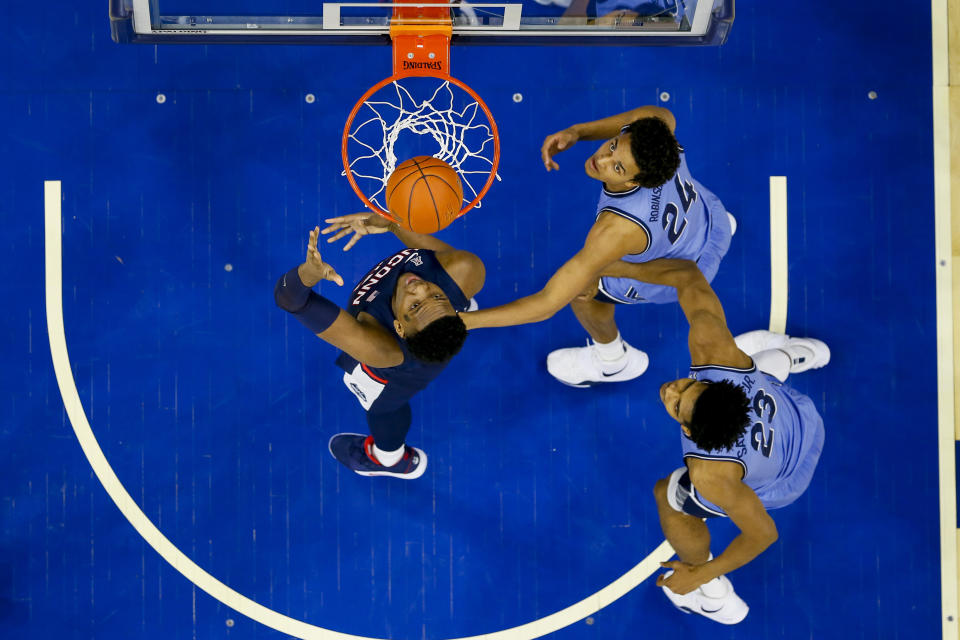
[373, 295]
[674, 216]
[780, 448]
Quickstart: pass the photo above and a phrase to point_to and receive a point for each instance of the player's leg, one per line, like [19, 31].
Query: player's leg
[608, 359]
[597, 318]
[682, 521]
[688, 535]
[384, 452]
[389, 430]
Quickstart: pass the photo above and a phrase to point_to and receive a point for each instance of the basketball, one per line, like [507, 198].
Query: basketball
[424, 194]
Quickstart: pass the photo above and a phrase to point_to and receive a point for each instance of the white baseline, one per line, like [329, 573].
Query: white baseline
[779, 280]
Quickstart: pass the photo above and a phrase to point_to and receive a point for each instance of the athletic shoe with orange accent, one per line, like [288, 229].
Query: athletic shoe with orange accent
[355, 452]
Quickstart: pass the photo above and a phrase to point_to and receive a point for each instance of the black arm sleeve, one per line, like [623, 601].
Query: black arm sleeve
[312, 310]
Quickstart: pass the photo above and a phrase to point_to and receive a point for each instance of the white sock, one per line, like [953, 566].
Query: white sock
[776, 362]
[610, 351]
[388, 458]
[715, 588]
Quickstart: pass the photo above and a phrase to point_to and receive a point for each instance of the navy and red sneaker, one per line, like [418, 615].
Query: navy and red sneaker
[355, 452]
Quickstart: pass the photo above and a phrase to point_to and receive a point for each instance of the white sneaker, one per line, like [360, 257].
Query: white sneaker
[753, 342]
[730, 609]
[800, 361]
[733, 224]
[582, 367]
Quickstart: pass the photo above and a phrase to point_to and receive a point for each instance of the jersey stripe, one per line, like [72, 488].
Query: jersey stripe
[702, 367]
[631, 218]
[699, 456]
[372, 374]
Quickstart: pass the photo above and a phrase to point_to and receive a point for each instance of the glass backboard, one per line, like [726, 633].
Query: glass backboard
[545, 22]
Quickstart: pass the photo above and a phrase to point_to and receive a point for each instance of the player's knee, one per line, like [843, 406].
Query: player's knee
[586, 295]
[660, 490]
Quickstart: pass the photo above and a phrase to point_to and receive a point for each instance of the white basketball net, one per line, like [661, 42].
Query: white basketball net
[459, 129]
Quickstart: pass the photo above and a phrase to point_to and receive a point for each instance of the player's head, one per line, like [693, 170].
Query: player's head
[713, 415]
[645, 154]
[426, 320]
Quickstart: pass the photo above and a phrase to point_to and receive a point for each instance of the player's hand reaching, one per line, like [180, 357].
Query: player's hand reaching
[313, 270]
[684, 579]
[360, 224]
[554, 144]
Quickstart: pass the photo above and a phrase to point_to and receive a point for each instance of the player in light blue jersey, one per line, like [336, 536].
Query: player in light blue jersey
[650, 207]
[749, 443]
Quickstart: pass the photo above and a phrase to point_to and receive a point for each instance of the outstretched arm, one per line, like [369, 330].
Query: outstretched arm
[710, 340]
[369, 223]
[293, 293]
[465, 268]
[598, 130]
[610, 126]
[723, 487]
[610, 237]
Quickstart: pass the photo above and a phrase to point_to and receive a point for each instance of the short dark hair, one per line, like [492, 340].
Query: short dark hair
[438, 341]
[655, 151]
[720, 416]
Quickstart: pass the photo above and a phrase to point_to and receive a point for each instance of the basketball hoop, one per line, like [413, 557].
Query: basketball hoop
[420, 110]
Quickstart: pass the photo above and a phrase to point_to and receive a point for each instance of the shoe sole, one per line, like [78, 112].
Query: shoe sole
[586, 384]
[400, 476]
[575, 385]
[688, 611]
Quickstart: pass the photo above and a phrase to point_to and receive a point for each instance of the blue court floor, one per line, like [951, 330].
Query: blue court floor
[214, 408]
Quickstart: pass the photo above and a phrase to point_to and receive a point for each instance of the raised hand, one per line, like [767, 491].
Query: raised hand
[314, 269]
[554, 144]
[360, 224]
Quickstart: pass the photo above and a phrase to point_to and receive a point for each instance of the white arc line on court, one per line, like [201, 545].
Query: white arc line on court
[177, 559]
[779, 280]
[941, 32]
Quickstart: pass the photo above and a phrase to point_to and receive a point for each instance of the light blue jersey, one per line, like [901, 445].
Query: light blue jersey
[681, 219]
[780, 448]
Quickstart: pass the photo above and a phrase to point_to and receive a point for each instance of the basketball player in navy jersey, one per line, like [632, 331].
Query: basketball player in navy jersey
[650, 207]
[399, 331]
[749, 443]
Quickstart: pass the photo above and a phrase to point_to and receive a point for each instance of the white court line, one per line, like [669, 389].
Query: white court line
[946, 443]
[236, 601]
[779, 281]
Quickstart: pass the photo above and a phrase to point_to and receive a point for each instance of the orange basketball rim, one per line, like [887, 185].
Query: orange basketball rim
[420, 33]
